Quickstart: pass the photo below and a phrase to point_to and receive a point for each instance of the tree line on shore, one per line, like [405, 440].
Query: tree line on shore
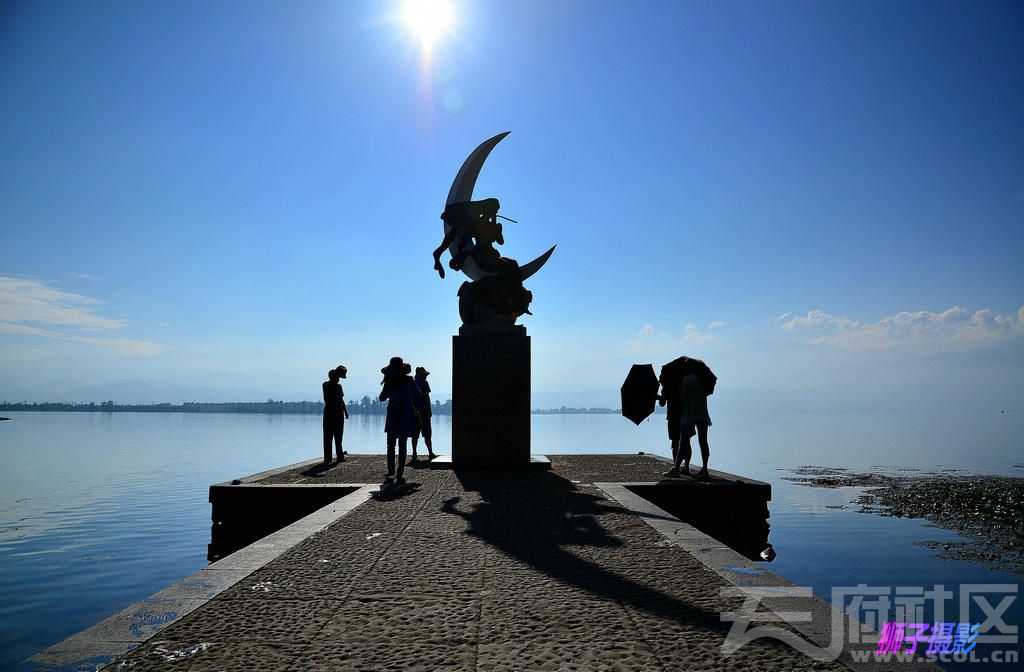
[365, 406]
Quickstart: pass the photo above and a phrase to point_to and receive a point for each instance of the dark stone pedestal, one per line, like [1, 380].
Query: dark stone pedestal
[732, 509]
[491, 397]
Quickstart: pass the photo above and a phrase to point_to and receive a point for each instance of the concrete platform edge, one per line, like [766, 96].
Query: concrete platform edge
[775, 593]
[97, 646]
[275, 471]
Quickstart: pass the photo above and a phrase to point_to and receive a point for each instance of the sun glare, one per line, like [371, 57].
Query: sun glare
[428, 20]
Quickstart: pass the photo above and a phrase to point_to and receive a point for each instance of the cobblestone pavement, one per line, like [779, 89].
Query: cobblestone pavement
[472, 571]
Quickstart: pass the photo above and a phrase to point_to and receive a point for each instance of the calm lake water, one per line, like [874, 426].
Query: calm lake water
[100, 510]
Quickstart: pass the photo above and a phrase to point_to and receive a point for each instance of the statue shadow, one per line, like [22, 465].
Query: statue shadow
[542, 520]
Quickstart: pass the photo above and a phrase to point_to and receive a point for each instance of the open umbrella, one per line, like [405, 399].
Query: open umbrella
[639, 392]
[672, 374]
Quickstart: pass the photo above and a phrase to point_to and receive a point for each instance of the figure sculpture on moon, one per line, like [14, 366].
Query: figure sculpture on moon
[495, 292]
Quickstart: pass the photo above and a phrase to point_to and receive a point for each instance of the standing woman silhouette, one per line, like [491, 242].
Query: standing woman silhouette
[335, 413]
[402, 419]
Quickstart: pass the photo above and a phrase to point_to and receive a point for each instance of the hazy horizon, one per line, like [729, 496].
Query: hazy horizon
[967, 381]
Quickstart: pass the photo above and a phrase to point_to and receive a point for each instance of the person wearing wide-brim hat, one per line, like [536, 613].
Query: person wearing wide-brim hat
[400, 423]
[422, 399]
[335, 413]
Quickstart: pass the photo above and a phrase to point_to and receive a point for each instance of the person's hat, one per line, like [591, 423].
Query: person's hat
[396, 367]
[420, 371]
[342, 371]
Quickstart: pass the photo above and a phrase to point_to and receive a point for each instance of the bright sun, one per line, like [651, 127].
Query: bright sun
[428, 20]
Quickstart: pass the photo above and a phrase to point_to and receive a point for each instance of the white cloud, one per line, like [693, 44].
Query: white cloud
[125, 347]
[691, 334]
[31, 301]
[33, 308]
[953, 326]
[650, 338]
[780, 318]
[9, 328]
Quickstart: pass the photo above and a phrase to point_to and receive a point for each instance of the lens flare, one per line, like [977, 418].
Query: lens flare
[428, 20]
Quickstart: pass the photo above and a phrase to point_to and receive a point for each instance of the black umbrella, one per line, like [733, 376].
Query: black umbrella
[639, 392]
[672, 374]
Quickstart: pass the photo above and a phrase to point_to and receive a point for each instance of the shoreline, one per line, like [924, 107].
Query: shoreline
[987, 509]
[260, 408]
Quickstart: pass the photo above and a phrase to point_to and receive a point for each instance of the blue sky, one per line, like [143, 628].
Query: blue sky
[241, 195]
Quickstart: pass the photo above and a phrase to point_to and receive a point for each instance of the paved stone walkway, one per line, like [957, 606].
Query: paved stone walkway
[473, 571]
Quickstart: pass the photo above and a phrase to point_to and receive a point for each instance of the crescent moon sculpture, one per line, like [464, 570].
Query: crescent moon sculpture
[462, 191]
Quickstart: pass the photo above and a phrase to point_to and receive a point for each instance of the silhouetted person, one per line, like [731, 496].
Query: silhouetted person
[670, 396]
[335, 413]
[422, 399]
[693, 400]
[400, 423]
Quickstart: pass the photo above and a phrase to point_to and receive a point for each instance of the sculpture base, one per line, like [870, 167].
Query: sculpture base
[491, 397]
[537, 462]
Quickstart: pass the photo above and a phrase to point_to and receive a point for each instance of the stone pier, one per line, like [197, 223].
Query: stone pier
[479, 571]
